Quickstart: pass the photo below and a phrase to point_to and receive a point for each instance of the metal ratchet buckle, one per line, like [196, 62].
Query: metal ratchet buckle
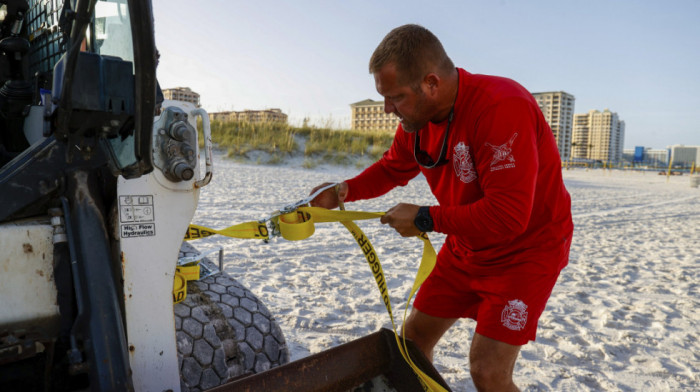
[273, 218]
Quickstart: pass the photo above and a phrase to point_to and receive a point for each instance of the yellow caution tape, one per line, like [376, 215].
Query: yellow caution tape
[179, 288]
[189, 272]
[299, 225]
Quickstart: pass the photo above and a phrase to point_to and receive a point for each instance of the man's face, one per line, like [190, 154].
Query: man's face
[413, 108]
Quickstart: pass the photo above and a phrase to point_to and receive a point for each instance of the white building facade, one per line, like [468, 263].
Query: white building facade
[685, 156]
[646, 156]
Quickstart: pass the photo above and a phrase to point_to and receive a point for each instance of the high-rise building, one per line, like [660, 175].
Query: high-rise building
[685, 156]
[181, 94]
[266, 115]
[598, 136]
[580, 146]
[558, 110]
[369, 115]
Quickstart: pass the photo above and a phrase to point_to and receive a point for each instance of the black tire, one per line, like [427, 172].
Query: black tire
[224, 331]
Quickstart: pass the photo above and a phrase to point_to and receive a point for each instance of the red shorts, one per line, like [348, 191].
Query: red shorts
[506, 305]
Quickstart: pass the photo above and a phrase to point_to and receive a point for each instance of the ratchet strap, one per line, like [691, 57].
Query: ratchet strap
[299, 225]
[247, 230]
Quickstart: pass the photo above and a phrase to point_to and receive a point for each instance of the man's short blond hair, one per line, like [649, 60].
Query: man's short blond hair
[415, 52]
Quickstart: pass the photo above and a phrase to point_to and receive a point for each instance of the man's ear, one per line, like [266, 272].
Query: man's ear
[432, 83]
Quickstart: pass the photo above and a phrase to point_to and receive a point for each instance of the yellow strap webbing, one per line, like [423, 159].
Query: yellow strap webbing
[247, 230]
[299, 225]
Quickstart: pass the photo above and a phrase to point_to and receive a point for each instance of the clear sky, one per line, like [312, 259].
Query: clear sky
[640, 59]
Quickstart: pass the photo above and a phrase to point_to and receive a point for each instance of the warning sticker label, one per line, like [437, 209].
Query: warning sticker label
[136, 208]
[137, 216]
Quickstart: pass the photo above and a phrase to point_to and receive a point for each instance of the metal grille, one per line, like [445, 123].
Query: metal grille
[45, 38]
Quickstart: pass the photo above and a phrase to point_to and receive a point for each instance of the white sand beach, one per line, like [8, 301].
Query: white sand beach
[624, 315]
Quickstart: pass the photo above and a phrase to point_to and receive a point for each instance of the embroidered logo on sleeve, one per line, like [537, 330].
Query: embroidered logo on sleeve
[463, 165]
[514, 315]
[502, 153]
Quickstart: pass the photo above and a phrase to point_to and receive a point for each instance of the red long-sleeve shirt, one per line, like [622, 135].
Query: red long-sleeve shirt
[501, 196]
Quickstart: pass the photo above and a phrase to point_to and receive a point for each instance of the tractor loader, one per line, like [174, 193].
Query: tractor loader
[99, 179]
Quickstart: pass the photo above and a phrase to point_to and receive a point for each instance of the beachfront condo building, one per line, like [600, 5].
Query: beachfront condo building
[684, 156]
[181, 94]
[598, 136]
[369, 115]
[558, 110]
[253, 116]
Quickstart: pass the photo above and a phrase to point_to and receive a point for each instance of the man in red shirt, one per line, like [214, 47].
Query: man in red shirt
[492, 163]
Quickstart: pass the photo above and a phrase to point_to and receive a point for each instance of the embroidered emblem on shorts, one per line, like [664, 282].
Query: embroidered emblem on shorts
[462, 162]
[503, 152]
[514, 315]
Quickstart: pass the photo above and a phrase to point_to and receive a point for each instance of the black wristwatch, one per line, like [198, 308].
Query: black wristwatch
[423, 220]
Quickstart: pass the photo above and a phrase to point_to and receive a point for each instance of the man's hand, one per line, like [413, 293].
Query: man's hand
[401, 217]
[329, 198]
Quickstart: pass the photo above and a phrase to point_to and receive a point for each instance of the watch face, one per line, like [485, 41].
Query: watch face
[422, 222]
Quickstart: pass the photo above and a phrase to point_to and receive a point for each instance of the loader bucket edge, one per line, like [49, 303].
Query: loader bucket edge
[343, 368]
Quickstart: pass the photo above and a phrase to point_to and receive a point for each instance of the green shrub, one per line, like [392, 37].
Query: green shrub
[280, 140]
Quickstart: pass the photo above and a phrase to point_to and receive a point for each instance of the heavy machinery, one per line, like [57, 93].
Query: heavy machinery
[96, 198]
[99, 179]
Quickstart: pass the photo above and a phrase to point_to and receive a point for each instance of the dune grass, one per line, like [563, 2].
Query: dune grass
[316, 145]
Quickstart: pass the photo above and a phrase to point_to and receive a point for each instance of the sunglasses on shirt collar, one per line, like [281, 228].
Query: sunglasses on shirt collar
[422, 157]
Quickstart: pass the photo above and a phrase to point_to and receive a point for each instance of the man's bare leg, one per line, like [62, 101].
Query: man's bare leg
[425, 331]
[491, 364]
